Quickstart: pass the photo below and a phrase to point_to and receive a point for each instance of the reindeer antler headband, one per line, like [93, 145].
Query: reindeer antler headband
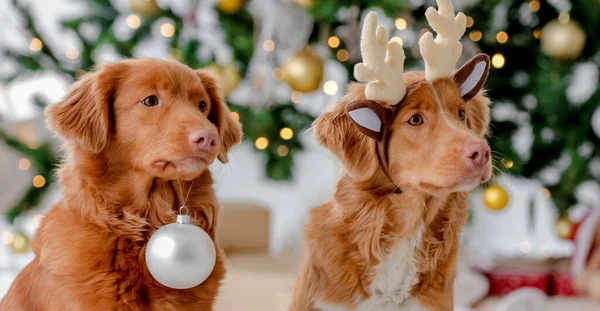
[383, 65]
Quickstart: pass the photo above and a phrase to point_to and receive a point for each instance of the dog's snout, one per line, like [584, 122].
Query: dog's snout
[477, 153]
[204, 139]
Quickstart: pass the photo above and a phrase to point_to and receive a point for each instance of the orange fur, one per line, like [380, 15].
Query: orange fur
[90, 247]
[355, 230]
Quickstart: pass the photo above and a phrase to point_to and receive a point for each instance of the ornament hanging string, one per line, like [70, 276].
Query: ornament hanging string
[186, 197]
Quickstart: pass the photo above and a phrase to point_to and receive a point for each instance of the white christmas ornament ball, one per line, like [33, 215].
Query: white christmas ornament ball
[596, 122]
[180, 255]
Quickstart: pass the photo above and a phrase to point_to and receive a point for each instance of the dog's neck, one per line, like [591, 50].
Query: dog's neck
[117, 190]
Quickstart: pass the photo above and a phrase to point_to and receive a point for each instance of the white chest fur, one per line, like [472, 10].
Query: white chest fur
[395, 275]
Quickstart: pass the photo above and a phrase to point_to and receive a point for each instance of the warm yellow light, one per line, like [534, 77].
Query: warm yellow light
[470, 21]
[72, 53]
[269, 45]
[475, 35]
[7, 237]
[498, 60]
[333, 42]
[525, 247]
[34, 144]
[330, 87]
[286, 133]
[261, 143]
[534, 5]
[24, 164]
[278, 74]
[283, 150]
[537, 33]
[509, 164]
[39, 181]
[36, 45]
[296, 97]
[342, 55]
[397, 39]
[235, 116]
[564, 17]
[167, 30]
[502, 37]
[400, 23]
[133, 21]
[546, 193]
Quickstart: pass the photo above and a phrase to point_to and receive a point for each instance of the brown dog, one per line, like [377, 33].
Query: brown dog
[412, 147]
[131, 129]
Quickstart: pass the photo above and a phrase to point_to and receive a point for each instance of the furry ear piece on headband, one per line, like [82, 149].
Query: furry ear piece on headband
[369, 117]
[472, 76]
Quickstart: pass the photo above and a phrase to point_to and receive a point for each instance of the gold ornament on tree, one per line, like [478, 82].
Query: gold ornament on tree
[303, 71]
[20, 243]
[563, 38]
[228, 77]
[144, 7]
[495, 197]
[305, 3]
[564, 227]
[230, 6]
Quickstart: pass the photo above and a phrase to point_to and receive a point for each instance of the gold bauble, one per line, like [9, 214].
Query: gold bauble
[303, 71]
[144, 7]
[495, 197]
[20, 243]
[564, 228]
[305, 3]
[563, 40]
[230, 6]
[228, 77]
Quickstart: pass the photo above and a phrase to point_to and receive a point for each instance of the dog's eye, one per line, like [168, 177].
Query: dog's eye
[416, 120]
[202, 106]
[150, 101]
[462, 115]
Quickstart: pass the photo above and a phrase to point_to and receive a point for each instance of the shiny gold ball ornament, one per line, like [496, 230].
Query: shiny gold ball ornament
[230, 6]
[305, 3]
[20, 243]
[564, 227]
[228, 77]
[495, 197]
[144, 7]
[562, 39]
[303, 71]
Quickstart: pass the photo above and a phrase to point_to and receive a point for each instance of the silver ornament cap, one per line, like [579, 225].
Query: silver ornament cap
[180, 255]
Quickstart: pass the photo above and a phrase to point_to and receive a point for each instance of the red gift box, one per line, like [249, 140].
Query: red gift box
[505, 280]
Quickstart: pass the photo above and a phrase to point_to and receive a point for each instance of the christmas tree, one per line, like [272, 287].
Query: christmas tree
[280, 63]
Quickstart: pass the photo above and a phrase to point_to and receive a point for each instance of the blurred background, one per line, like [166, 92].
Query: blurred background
[280, 64]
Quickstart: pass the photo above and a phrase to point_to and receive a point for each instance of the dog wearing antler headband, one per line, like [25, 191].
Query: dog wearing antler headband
[412, 145]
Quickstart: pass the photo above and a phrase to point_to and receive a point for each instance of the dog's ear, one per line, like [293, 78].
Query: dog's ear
[83, 116]
[369, 117]
[345, 138]
[472, 76]
[230, 130]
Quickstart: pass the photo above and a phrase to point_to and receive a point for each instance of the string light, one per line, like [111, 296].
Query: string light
[342, 55]
[167, 30]
[283, 150]
[296, 97]
[475, 35]
[269, 45]
[24, 164]
[33, 145]
[35, 45]
[235, 116]
[397, 39]
[534, 5]
[498, 61]
[537, 33]
[39, 181]
[470, 21]
[546, 193]
[133, 21]
[286, 133]
[564, 17]
[7, 237]
[502, 37]
[400, 23]
[525, 247]
[333, 42]
[261, 143]
[278, 74]
[508, 163]
[72, 53]
[330, 87]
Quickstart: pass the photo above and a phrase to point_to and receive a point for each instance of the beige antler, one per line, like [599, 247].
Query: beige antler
[383, 63]
[442, 54]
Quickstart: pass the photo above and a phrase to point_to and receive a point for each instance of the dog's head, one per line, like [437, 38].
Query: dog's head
[149, 115]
